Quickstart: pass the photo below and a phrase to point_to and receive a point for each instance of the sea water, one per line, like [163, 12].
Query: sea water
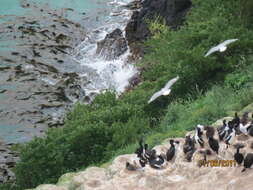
[100, 20]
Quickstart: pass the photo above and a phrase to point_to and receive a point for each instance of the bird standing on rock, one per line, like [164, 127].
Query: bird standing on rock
[231, 134]
[158, 162]
[245, 128]
[214, 144]
[248, 161]
[238, 156]
[189, 144]
[223, 130]
[130, 167]
[236, 121]
[198, 137]
[209, 131]
[172, 150]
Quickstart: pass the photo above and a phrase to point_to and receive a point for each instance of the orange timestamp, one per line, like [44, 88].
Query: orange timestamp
[217, 163]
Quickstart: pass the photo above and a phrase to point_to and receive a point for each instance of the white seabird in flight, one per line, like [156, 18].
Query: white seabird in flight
[221, 47]
[165, 90]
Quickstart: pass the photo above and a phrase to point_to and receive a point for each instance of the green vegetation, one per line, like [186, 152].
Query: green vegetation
[208, 89]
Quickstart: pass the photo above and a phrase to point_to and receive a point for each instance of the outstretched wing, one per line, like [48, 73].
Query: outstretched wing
[225, 43]
[213, 49]
[155, 95]
[216, 48]
[171, 82]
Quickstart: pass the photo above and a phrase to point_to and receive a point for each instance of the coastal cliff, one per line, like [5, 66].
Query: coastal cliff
[173, 12]
[178, 174]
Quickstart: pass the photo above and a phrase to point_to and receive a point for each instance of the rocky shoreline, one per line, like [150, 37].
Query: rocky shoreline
[40, 89]
[137, 31]
[8, 159]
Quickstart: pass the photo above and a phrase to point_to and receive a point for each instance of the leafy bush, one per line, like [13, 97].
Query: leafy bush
[181, 52]
[246, 12]
[90, 135]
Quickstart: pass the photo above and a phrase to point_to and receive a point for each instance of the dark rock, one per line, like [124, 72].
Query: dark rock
[23, 96]
[4, 68]
[134, 80]
[112, 46]
[2, 91]
[14, 53]
[172, 11]
[133, 5]
[61, 37]
[8, 159]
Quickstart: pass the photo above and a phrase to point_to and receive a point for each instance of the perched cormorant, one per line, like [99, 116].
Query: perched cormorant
[130, 167]
[172, 150]
[158, 162]
[236, 120]
[245, 118]
[245, 128]
[139, 151]
[223, 131]
[142, 162]
[198, 137]
[214, 144]
[250, 131]
[238, 156]
[188, 145]
[231, 134]
[209, 131]
[248, 161]
[147, 153]
[189, 154]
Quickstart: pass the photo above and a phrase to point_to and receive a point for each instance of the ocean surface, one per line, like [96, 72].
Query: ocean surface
[35, 71]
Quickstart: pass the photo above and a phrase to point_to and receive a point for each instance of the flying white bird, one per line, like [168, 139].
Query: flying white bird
[165, 90]
[221, 47]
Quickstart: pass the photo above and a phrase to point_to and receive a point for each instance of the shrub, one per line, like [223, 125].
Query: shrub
[181, 52]
[246, 12]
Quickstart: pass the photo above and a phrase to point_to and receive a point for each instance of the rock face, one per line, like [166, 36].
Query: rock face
[8, 160]
[113, 46]
[173, 11]
[178, 174]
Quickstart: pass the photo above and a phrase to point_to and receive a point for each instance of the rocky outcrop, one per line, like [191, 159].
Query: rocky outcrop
[8, 159]
[178, 174]
[113, 46]
[172, 11]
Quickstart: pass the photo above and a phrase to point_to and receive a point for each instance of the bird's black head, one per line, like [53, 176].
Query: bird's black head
[200, 133]
[153, 154]
[171, 142]
[224, 122]
[236, 120]
[230, 124]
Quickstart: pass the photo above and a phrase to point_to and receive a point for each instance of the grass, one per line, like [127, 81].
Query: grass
[182, 116]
